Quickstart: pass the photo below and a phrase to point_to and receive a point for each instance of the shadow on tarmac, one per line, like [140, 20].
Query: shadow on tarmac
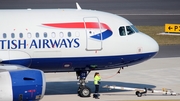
[70, 87]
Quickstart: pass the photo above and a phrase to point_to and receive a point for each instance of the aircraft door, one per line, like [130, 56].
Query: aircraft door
[93, 34]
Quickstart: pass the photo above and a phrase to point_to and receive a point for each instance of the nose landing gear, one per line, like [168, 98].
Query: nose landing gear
[83, 90]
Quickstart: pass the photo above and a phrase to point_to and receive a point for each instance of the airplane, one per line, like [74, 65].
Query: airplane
[38, 41]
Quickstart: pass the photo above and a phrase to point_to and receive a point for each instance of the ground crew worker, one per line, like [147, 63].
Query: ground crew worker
[97, 79]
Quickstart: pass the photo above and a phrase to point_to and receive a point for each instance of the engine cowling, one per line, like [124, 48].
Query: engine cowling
[22, 85]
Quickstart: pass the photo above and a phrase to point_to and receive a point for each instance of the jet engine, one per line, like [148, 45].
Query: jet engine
[22, 85]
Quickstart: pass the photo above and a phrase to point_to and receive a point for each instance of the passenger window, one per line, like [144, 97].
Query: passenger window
[20, 35]
[69, 34]
[53, 34]
[129, 30]
[12, 35]
[37, 35]
[77, 34]
[4, 35]
[29, 35]
[122, 31]
[45, 34]
[61, 34]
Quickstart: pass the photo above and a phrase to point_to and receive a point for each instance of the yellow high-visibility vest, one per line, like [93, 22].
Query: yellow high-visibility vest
[96, 79]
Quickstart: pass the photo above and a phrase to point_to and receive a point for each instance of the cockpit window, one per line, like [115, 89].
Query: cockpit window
[129, 30]
[122, 31]
[135, 29]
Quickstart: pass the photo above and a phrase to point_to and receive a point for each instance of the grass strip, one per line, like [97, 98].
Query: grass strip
[161, 39]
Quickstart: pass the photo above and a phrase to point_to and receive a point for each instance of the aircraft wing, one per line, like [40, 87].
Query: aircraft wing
[4, 67]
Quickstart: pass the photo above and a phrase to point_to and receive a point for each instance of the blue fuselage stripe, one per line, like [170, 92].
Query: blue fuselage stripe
[72, 63]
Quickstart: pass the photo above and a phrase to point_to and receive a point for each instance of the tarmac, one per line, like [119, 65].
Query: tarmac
[156, 73]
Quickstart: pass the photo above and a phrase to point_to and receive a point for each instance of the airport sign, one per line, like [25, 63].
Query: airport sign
[172, 27]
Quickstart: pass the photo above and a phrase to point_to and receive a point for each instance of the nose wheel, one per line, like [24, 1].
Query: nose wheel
[83, 90]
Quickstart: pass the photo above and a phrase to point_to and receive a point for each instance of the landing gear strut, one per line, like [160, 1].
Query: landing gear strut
[83, 90]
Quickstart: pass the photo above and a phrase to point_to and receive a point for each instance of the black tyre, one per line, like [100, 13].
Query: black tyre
[78, 92]
[138, 94]
[84, 92]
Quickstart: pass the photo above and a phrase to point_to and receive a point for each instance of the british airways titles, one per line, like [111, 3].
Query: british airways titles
[39, 43]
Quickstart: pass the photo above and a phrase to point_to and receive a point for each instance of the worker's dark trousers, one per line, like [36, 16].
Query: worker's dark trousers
[95, 95]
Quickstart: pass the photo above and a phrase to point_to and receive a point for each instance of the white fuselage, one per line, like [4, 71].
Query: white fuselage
[66, 37]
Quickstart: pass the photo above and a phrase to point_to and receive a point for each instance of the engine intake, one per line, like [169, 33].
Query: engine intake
[22, 85]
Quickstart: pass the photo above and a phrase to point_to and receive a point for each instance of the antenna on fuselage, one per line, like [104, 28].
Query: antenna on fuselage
[78, 7]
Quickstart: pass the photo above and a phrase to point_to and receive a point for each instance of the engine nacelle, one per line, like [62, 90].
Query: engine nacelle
[22, 85]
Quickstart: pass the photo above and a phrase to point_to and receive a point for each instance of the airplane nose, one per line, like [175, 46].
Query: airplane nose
[155, 46]
[149, 44]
